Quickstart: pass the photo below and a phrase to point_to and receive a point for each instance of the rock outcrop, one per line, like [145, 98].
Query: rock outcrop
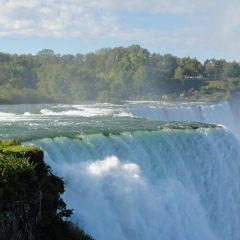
[31, 207]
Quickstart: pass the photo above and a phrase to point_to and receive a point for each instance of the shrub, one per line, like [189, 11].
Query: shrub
[14, 172]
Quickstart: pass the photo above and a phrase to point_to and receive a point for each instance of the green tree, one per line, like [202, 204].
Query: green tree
[134, 57]
[54, 81]
[143, 81]
[214, 68]
[167, 66]
[82, 86]
[46, 53]
[231, 70]
[190, 67]
[178, 74]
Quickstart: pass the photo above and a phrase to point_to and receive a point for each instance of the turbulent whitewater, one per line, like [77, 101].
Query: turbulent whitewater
[146, 170]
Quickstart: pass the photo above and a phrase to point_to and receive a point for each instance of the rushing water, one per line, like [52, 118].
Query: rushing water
[142, 170]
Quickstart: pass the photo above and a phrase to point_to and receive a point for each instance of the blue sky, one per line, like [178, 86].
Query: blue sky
[197, 28]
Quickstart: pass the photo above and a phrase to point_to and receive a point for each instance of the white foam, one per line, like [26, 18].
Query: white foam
[174, 184]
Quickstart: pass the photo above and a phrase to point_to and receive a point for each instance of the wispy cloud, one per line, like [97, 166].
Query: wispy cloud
[71, 18]
[170, 23]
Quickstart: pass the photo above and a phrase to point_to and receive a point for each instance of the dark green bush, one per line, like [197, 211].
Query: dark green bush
[13, 173]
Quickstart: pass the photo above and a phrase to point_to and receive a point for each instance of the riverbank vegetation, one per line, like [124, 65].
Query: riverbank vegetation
[114, 75]
[31, 206]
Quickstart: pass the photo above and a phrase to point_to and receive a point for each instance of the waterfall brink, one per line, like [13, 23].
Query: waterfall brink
[169, 184]
[220, 113]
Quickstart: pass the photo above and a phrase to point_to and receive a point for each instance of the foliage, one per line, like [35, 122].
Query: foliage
[110, 75]
[14, 173]
[106, 96]
[221, 90]
[25, 95]
[16, 169]
[22, 169]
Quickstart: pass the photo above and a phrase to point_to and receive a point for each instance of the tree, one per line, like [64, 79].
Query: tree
[67, 59]
[167, 66]
[178, 74]
[231, 70]
[46, 53]
[140, 80]
[54, 81]
[214, 68]
[82, 86]
[134, 57]
[190, 67]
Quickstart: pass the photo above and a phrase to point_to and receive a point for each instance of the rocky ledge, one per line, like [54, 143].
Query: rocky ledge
[31, 207]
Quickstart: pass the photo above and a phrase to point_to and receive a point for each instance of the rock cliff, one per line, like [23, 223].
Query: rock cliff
[31, 207]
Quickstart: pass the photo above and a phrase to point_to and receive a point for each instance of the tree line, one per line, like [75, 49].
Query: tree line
[113, 75]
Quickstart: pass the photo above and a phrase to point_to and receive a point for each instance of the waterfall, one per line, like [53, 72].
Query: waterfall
[220, 113]
[168, 184]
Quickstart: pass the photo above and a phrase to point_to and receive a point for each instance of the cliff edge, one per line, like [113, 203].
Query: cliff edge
[31, 207]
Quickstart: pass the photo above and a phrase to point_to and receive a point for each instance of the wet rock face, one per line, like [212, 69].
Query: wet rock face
[19, 218]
